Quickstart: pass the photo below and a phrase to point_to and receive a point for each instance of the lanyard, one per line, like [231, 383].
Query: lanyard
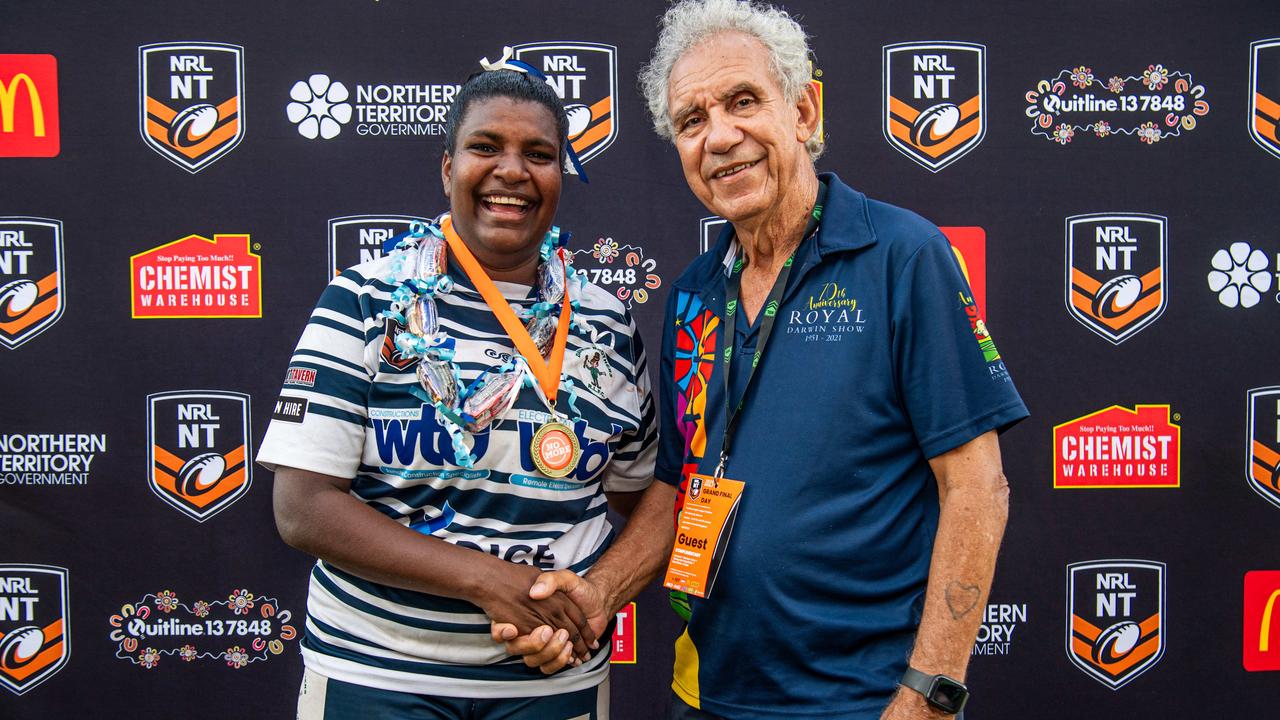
[546, 371]
[733, 289]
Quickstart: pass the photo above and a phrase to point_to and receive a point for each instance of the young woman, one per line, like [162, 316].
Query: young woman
[467, 403]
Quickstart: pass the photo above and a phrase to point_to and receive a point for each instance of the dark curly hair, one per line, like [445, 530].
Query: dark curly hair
[508, 84]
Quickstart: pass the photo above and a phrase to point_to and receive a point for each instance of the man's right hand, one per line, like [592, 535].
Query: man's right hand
[511, 602]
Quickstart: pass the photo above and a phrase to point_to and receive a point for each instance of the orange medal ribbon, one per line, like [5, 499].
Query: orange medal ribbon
[546, 371]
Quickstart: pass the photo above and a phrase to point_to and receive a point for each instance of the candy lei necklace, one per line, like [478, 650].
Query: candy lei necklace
[419, 275]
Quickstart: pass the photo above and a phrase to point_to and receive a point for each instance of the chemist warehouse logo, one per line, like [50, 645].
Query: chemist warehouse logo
[197, 445]
[31, 278]
[191, 101]
[35, 624]
[1115, 618]
[1263, 456]
[196, 277]
[1115, 272]
[585, 76]
[357, 239]
[935, 100]
[1118, 448]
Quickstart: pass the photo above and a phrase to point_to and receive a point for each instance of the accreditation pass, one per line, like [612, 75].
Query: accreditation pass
[702, 534]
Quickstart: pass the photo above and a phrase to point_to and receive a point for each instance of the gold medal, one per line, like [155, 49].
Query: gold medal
[555, 450]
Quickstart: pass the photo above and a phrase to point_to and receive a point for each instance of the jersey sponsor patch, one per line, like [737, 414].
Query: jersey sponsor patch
[290, 409]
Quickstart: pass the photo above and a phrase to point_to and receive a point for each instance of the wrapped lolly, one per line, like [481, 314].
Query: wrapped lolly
[423, 318]
[431, 256]
[551, 290]
[438, 379]
[494, 398]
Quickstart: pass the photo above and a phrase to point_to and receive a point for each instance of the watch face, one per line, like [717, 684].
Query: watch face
[948, 694]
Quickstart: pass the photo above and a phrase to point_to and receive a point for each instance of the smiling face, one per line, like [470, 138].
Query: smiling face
[503, 183]
[741, 143]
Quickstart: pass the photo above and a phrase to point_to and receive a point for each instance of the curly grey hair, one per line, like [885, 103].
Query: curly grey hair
[689, 22]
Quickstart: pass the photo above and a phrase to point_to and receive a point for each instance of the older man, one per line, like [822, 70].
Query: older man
[827, 354]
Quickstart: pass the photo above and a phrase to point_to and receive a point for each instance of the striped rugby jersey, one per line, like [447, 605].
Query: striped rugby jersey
[346, 410]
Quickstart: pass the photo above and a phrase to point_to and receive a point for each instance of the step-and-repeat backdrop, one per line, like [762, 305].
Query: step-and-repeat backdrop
[178, 180]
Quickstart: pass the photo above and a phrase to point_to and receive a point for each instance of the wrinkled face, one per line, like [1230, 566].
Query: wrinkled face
[503, 179]
[741, 144]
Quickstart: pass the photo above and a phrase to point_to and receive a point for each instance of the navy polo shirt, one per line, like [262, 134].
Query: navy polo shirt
[877, 362]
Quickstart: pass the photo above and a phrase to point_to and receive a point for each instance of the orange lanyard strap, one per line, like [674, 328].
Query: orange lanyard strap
[546, 371]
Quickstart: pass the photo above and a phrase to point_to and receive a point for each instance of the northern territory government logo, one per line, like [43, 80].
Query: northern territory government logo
[1115, 618]
[1118, 448]
[1262, 620]
[585, 76]
[935, 100]
[231, 629]
[29, 106]
[31, 277]
[1241, 275]
[623, 270]
[196, 277]
[1115, 272]
[35, 624]
[356, 239]
[191, 101]
[198, 443]
[999, 621]
[1152, 105]
[1263, 456]
[1264, 94]
[322, 106]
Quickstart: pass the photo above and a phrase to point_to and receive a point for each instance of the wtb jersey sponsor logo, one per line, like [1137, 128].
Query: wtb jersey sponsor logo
[196, 277]
[356, 239]
[935, 100]
[585, 76]
[1115, 618]
[35, 624]
[29, 106]
[1115, 272]
[197, 445]
[1118, 448]
[1264, 94]
[1261, 624]
[191, 101]
[31, 278]
[401, 440]
[1263, 456]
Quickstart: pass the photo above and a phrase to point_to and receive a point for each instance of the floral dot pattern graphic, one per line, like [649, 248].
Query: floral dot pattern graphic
[319, 107]
[1239, 275]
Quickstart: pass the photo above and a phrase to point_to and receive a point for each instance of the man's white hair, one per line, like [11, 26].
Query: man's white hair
[689, 22]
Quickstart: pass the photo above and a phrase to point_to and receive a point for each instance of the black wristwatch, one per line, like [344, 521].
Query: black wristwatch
[940, 691]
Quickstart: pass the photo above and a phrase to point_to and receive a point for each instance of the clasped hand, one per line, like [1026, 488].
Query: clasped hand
[556, 624]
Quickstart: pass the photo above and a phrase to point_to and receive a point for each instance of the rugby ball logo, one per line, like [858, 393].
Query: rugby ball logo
[35, 627]
[1115, 272]
[197, 451]
[191, 101]
[935, 100]
[1262, 458]
[31, 278]
[1115, 618]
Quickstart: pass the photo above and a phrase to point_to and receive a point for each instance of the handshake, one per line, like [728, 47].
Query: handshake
[552, 619]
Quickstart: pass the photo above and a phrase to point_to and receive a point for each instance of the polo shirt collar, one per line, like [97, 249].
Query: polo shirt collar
[845, 206]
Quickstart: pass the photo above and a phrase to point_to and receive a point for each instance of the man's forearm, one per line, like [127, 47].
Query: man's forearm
[970, 526]
[640, 552]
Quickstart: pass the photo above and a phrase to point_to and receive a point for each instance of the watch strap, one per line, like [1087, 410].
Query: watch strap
[926, 685]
